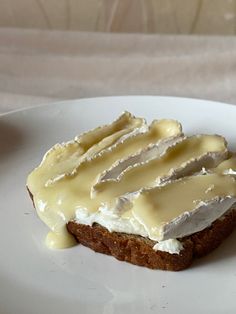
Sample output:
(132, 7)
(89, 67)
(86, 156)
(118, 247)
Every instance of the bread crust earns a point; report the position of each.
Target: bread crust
(139, 251)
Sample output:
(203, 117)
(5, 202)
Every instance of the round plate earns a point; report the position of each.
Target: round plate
(34, 279)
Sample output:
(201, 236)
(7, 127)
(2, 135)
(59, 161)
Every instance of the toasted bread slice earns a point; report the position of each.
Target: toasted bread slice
(139, 251)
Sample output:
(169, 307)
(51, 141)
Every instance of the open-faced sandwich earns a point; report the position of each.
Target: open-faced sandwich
(146, 194)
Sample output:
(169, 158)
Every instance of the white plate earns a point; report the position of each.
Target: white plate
(34, 279)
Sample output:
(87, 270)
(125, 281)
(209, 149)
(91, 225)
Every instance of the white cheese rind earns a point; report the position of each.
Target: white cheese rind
(115, 174)
(64, 158)
(101, 132)
(190, 167)
(198, 219)
(143, 156)
(94, 153)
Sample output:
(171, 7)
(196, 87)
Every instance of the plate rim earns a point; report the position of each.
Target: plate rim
(105, 98)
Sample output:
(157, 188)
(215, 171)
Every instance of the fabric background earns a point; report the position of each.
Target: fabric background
(41, 66)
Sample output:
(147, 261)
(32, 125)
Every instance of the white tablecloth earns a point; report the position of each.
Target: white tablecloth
(38, 66)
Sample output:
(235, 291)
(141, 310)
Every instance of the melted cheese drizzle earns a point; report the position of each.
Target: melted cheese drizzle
(62, 182)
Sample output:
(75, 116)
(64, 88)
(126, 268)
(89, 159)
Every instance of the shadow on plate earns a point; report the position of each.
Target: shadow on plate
(224, 252)
(10, 139)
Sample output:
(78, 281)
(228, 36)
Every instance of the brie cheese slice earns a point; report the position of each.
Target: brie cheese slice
(184, 206)
(174, 210)
(184, 157)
